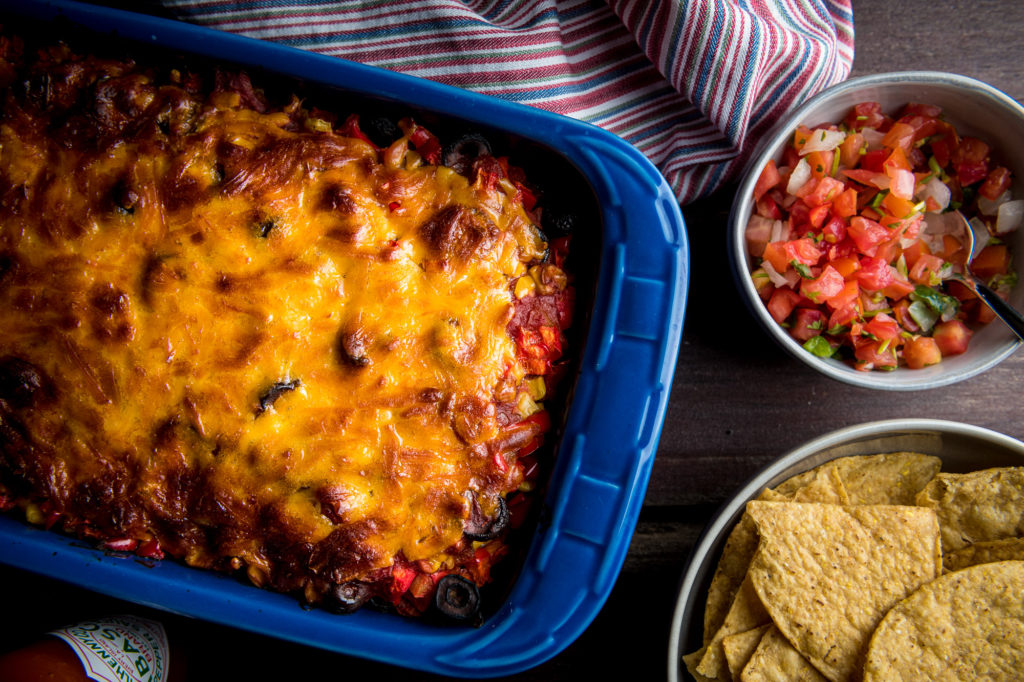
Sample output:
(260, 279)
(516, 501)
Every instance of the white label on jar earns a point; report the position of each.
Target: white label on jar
(119, 649)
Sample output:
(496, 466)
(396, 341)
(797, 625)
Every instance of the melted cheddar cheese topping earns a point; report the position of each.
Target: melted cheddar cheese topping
(264, 345)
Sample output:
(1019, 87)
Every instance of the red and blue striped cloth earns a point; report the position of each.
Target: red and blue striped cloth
(692, 84)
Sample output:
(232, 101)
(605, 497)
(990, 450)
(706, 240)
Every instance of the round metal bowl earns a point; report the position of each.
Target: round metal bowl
(976, 109)
(962, 447)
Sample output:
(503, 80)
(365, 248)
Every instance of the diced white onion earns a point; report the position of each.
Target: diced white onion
(823, 141)
(901, 184)
(1009, 216)
(799, 177)
(776, 233)
(938, 191)
(991, 206)
(872, 138)
(934, 226)
(773, 274)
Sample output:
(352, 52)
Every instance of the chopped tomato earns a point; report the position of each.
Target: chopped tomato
(874, 160)
(818, 215)
(867, 234)
(801, 137)
(847, 265)
(993, 260)
(896, 161)
(874, 355)
(952, 337)
(865, 115)
(782, 303)
(882, 327)
(915, 251)
(767, 207)
(899, 207)
(900, 136)
(897, 289)
(923, 126)
(921, 351)
(834, 231)
(826, 190)
(845, 316)
(768, 179)
(823, 287)
(867, 177)
(926, 269)
(809, 322)
(970, 161)
(942, 149)
(875, 274)
(850, 149)
(845, 205)
(997, 182)
(782, 254)
(849, 294)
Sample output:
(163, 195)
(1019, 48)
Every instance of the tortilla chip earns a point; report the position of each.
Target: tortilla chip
(776, 659)
(745, 613)
(984, 553)
(891, 478)
(691, 661)
(740, 647)
(977, 507)
(820, 486)
(966, 625)
(827, 574)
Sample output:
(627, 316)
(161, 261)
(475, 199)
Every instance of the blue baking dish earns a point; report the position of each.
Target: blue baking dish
(612, 422)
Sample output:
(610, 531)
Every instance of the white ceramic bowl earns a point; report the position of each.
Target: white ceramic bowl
(975, 109)
(962, 447)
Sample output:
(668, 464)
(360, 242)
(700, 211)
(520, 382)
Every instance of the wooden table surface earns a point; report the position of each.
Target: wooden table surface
(737, 402)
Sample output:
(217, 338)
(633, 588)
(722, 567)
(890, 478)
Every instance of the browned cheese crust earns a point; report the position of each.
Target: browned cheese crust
(236, 335)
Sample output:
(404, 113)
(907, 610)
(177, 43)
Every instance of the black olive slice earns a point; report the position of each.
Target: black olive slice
(347, 597)
(558, 223)
(381, 130)
(8, 266)
(460, 153)
(265, 227)
(481, 528)
(123, 198)
(21, 382)
(457, 597)
(268, 399)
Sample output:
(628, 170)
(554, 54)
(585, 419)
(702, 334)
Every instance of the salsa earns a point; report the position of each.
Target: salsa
(857, 254)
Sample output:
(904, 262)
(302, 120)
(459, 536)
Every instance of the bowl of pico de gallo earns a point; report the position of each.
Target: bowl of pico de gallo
(844, 237)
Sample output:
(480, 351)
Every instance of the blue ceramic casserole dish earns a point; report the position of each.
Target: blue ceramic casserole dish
(628, 324)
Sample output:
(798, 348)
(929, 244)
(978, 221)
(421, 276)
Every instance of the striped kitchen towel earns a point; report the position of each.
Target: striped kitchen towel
(692, 84)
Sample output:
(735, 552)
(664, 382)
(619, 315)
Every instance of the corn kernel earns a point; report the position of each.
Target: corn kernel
(536, 388)
(526, 405)
(34, 515)
(525, 286)
(318, 125)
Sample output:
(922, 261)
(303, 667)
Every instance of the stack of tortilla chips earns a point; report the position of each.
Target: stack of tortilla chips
(877, 568)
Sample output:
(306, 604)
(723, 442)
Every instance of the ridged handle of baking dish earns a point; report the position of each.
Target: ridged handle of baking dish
(615, 420)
